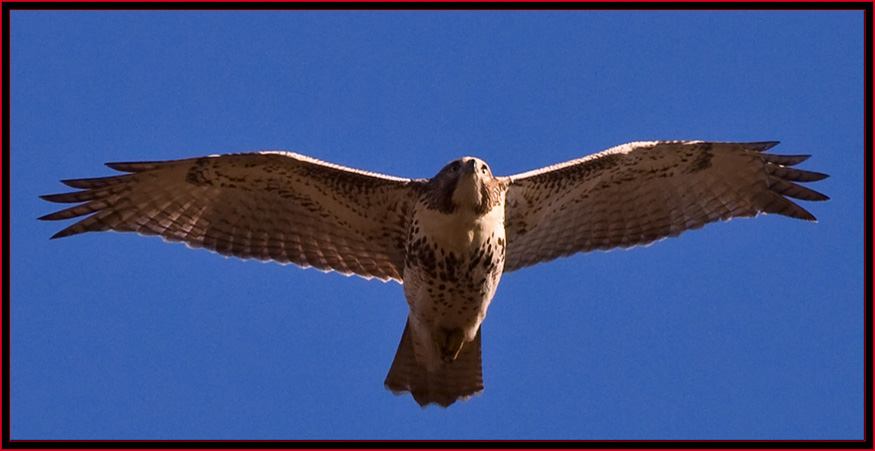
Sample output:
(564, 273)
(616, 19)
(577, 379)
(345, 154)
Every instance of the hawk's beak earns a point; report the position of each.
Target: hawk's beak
(470, 167)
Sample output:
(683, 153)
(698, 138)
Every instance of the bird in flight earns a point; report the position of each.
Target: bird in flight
(449, 239)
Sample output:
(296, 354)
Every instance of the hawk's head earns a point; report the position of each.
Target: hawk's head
(465, 183)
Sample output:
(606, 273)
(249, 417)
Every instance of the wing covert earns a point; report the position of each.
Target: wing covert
(640, 192)
(277, 206)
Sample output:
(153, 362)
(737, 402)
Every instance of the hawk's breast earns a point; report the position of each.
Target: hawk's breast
(453, 266)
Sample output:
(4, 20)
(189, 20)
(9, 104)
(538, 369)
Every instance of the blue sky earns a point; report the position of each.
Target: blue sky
(751, 329)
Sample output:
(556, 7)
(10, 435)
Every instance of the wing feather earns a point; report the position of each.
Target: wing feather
(276, 206)
(641, 192)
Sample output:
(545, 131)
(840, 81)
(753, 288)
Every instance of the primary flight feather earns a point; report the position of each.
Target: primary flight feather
(448, 239)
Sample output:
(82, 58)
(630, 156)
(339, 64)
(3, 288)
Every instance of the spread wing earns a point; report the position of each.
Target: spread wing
(276, 206)
(640, 192)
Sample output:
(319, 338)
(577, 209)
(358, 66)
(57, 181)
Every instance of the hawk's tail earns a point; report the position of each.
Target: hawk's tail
(461, 378)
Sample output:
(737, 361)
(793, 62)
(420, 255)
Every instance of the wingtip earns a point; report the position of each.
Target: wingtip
(807, 216)
(64, 198)
(138, 166)
(762, 146)
(118, 166)
(74, 183)
(63, 233)
(816, 176)
(56, 216)
(60, 234)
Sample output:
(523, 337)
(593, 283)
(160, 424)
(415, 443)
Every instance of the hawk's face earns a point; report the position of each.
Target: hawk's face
(466, 183)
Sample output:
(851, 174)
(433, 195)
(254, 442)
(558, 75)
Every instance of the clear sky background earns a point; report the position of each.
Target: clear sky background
(751, 329)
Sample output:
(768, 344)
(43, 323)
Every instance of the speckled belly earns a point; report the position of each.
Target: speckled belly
(451, 291)
(448, 296)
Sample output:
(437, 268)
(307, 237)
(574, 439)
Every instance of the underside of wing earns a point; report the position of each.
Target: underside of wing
(640, 192)
(276, 206)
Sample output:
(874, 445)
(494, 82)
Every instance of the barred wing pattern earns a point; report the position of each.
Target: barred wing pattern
(277, 206)
(640, 192)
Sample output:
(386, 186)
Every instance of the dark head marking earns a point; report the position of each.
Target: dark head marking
(475, 173)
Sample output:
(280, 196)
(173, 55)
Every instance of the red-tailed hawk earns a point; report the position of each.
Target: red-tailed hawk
(448, 239)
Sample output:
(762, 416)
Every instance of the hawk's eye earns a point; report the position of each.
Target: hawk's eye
(484, 169)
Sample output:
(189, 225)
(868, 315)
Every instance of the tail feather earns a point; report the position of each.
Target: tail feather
(459, 379)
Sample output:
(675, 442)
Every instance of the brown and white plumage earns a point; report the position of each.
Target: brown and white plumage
(640, 192)
(276, 206)
(448, 239)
